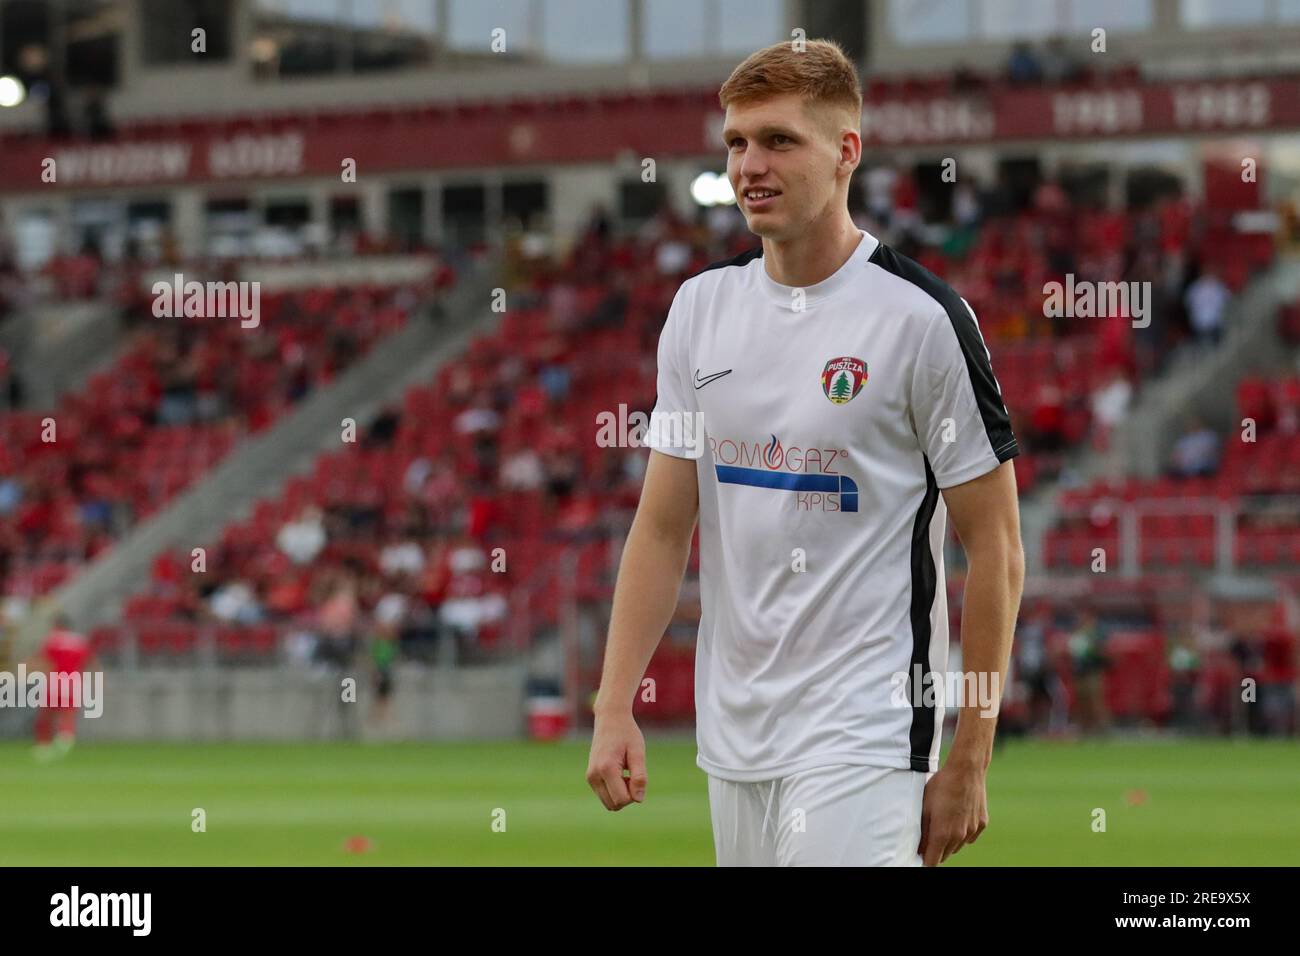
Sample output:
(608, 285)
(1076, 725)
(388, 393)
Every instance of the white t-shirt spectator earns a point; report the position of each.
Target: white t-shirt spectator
(476, 419)
(1196, 453)
(417, 472)
(523, 471)
(235, 603)
(672, 257)
(1110, 402)
(303, 539)
(405, 557)
(1205, 300)
(472, 610)
(880, 190)
(391, 608)
(466, 559)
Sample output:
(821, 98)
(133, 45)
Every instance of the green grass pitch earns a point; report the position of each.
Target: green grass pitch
(1195, 803)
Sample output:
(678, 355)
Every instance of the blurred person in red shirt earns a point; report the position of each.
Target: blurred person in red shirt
(65, 652)
(1047, 418)
(1278, 669)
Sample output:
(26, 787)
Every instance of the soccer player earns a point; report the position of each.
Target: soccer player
(65, 653)
(847, 404)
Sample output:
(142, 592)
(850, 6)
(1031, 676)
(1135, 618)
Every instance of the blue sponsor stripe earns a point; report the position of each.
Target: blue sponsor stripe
(789, 481)
(784, 480)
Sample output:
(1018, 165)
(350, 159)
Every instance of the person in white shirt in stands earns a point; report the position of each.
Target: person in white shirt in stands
(303, 538)
(823, 403)
(1206, 299)
(1196, 452)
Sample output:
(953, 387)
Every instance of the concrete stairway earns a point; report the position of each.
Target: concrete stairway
(56, 346)
(1195, 382)
(1204, 383)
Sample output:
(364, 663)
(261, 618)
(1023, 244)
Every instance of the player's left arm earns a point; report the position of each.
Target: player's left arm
(985, 513)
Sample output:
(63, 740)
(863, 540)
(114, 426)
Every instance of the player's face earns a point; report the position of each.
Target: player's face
(782, 159)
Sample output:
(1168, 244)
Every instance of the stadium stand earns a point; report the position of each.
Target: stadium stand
(475, 521)
(170, 408)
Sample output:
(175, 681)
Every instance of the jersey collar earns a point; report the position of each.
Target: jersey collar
(785, 295)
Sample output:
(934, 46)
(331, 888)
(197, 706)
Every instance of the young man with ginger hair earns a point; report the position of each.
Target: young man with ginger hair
(847, 404)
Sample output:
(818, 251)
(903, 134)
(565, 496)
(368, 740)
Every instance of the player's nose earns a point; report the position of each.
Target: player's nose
(752, 165)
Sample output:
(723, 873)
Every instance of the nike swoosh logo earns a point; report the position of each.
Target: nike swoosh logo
(701, 382)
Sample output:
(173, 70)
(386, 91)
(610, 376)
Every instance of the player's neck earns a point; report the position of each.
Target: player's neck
(813, 256)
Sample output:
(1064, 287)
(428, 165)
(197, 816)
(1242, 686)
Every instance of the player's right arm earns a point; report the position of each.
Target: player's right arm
(645, 596)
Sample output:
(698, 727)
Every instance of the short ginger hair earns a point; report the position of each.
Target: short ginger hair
(820, 73)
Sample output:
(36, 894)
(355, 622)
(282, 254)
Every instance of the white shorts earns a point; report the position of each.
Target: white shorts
(828, 816)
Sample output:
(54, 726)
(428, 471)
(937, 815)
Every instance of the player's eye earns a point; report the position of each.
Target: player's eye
(735, 142)
(780, 140)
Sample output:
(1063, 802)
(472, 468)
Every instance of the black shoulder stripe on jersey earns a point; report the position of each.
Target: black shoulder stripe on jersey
(744, 259)
(993, 412)
(924, 582)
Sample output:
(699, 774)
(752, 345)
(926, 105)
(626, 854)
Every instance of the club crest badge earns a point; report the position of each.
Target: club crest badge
(843, 378)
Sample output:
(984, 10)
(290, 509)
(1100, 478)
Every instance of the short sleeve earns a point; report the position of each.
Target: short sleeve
(957, 408)
(675, 426)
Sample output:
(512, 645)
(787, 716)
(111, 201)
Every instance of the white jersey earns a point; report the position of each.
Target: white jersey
(831, 417)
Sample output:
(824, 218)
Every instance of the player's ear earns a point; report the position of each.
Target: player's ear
(850, 148)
